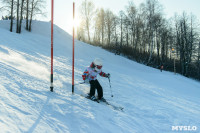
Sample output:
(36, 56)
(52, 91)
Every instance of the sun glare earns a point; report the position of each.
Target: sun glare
(76, 23)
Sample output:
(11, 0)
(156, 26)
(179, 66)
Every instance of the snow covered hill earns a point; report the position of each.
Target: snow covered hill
(153, 101)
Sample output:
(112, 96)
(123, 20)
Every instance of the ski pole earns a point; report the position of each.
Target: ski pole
(80, 83)
(110, 87)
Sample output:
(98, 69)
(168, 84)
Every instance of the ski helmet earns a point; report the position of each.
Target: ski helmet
(98, 64)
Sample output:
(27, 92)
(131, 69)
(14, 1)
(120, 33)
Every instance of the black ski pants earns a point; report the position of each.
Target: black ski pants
(94, 84)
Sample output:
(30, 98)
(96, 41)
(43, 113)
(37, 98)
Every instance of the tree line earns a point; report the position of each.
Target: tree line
(17, 9)
(145, 35)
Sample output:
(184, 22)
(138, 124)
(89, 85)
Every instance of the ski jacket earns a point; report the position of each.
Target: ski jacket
(91, 74)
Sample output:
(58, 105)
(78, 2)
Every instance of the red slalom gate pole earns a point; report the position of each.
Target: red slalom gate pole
(52, 9)
(73, 50)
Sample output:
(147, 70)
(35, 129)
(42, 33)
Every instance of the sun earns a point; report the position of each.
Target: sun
(76, 22)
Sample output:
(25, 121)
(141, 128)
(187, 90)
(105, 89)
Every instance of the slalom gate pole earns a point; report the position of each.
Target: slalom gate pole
(73, 51)
(52, 10)
(110, 87)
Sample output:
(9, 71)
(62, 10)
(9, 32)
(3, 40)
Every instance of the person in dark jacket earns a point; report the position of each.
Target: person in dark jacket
(161, 67)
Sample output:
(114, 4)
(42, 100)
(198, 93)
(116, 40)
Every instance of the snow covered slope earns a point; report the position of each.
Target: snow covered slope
(153, 101)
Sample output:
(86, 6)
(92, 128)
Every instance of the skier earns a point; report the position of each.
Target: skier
(161, 67)
(90, 75)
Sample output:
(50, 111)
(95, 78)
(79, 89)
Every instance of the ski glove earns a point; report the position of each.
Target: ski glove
(84, 77)
(86, 80)
(108, 75)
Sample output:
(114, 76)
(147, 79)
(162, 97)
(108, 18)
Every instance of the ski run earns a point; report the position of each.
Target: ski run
(153, 101)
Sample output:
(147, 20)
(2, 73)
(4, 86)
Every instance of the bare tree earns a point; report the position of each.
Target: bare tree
(17, 26)
(187, 39)
(11, 22)
(36, 9)
(27, 13)
(121, 27)
(100, 26)
(9, 7)
(87, 13)
(109, 21)
(31, 14)
(21, 16)
(153, 10)
(115, 25)
(97, 26)
(141, 26)
(131, 21)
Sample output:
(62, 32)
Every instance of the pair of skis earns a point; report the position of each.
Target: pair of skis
(115, 107)
(118, 108)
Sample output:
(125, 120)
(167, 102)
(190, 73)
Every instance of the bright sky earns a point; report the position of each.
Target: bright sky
(63, 9)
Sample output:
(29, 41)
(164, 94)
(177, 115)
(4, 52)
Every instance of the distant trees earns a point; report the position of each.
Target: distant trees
(187, 42)
(21, 8)
(99, 26)
(143, 34)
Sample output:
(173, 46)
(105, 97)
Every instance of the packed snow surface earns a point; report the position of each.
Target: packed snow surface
(153, 101)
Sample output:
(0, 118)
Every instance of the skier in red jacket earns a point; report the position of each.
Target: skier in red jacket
(90, 74)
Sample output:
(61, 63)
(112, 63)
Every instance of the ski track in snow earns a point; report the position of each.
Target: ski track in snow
(153, 101)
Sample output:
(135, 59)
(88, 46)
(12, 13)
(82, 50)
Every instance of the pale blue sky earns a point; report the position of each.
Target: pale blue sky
(63, 8)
